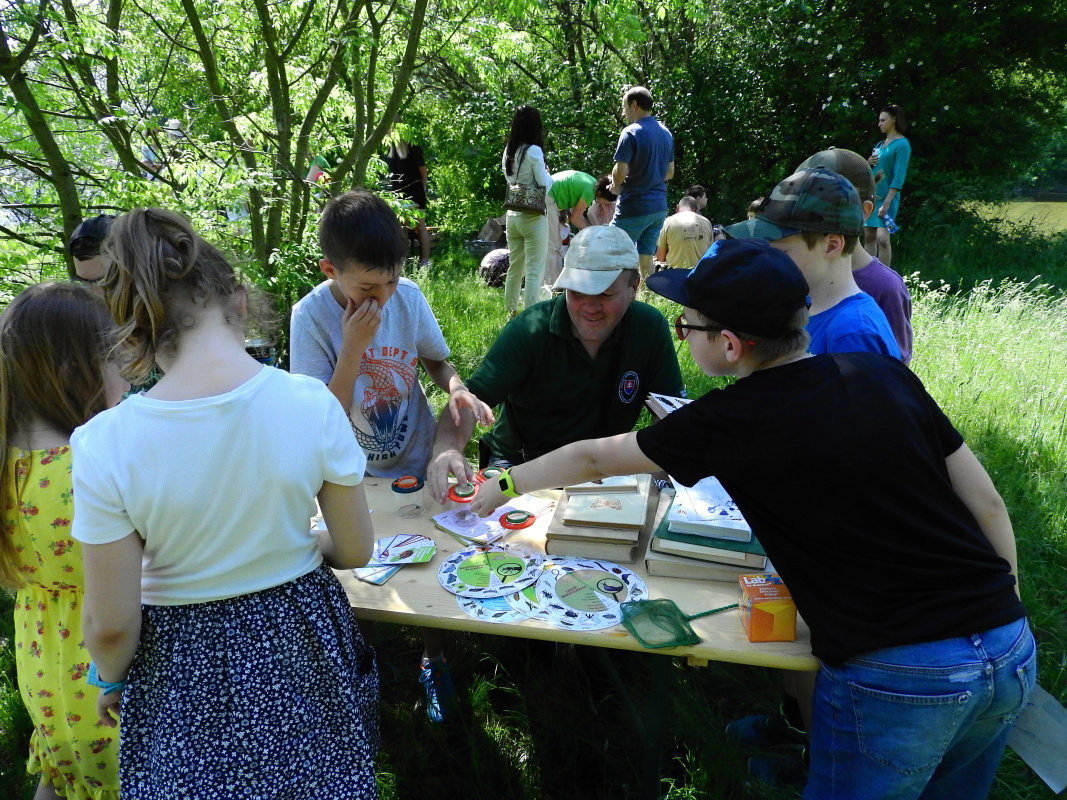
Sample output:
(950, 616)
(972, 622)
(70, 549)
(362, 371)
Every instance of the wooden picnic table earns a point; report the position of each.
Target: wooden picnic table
(414, 596)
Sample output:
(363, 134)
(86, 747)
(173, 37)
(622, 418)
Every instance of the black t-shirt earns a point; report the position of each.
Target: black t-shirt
(838, 464)
(405, 176)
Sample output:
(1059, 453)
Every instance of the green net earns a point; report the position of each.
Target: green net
(660, 623)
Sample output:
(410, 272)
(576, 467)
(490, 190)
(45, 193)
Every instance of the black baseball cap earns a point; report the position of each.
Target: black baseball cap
(87, 238)
(743, 284)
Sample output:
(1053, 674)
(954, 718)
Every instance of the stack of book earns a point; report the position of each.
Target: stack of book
(703, 535)
(603, 519)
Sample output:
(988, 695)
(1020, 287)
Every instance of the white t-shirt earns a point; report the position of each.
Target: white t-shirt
(221, 488)
(391, 416)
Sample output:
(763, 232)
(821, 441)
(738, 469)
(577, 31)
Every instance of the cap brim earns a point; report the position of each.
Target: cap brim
(586, 281)
(757, 228)
(670, 283)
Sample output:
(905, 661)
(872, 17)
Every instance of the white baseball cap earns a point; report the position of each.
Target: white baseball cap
(595, 258)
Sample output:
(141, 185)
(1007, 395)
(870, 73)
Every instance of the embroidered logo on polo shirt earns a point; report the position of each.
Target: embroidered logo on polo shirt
(628, 387)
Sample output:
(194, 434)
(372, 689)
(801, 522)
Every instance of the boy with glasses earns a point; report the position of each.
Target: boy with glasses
(906, 576)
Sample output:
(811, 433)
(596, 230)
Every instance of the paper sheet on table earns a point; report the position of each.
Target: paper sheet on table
(486, 530)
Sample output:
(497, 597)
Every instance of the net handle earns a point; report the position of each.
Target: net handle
(713, 611)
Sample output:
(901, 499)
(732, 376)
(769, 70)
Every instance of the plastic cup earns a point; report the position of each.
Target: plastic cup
(407, 494)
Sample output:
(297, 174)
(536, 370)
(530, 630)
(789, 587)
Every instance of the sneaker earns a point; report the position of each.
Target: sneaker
(437, 680)
(765, 731)
(779, 772)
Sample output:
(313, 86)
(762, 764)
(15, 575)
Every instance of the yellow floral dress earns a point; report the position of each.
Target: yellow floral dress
(75, 753)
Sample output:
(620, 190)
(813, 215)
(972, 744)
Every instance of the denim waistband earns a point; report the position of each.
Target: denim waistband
(993, 645)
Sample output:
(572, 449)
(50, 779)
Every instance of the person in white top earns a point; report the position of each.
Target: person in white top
(215, 624)
(524, 162)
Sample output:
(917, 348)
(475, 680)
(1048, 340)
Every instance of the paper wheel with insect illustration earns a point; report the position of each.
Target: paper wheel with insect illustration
(491, 609)
(586, 594)
(488, 572)
(525, 603)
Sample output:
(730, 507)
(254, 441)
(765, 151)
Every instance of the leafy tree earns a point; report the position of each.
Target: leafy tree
(251, 93)
(92, 93)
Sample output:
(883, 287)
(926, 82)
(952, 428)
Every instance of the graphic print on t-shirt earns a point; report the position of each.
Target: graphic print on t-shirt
(386, 379)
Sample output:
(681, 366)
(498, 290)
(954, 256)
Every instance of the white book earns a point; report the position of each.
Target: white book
(663, 404)
(706, 509)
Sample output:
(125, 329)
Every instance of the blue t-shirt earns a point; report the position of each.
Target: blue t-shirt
(647, 148)
(855, 325)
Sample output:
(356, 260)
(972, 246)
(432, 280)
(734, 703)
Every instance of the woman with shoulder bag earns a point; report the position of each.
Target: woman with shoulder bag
(530, 209)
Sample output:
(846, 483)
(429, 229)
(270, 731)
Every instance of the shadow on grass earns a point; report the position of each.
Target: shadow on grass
(972, 250)
(542, 721)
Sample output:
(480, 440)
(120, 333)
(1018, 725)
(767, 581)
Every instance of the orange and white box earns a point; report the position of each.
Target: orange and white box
(767, 609)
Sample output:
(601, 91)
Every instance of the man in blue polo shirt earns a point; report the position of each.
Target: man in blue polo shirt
(644, 162)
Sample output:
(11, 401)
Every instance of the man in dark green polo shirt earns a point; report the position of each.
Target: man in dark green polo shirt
(578, 366)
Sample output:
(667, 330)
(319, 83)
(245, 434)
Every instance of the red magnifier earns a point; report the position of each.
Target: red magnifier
(517, 520)
(462, 494)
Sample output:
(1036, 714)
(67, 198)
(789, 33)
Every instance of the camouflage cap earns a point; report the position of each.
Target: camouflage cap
(817, 200)
(847, 163)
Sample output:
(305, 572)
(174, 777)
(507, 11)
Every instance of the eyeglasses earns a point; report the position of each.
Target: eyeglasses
(682, 328)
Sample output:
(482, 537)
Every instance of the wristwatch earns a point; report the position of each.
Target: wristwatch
(506, 484)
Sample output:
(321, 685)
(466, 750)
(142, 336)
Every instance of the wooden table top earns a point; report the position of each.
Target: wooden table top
(413, 596)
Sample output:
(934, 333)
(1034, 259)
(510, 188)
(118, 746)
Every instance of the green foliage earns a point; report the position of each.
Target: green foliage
(993, 353)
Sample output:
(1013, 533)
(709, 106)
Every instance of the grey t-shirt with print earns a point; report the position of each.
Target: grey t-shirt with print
(391, 417)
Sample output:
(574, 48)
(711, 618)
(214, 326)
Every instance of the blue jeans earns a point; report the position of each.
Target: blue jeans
(922, 721)
(644, 230)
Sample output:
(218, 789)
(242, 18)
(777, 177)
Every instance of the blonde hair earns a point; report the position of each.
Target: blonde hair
(160, 267)
(53, 343)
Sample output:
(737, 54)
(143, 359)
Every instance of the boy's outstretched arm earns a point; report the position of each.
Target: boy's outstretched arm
(444, 376)
(582, 461)
(975, 488)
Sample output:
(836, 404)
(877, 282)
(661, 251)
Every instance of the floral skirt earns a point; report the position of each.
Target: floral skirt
(267, 695)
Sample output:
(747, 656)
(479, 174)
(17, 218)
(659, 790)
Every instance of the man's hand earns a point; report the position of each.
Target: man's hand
(489, 499)
(462, 398)
(445, 463)
(359, 324)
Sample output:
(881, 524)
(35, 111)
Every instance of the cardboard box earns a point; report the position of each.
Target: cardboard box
(767, 609)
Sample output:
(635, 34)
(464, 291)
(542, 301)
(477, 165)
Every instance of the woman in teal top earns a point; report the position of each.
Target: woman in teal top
(889, 161)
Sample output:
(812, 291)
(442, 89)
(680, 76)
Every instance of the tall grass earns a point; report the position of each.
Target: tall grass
(539, 721)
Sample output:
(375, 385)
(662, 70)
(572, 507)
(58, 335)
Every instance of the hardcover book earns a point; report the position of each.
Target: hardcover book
(706, 509)
(749, 555)
(621, 545)
(666, 565)
(607, 510)
(616, 483)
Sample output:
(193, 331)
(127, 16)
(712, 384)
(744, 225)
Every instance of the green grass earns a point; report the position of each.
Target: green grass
(964, 249)
(536, 721)
(1045, 218)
